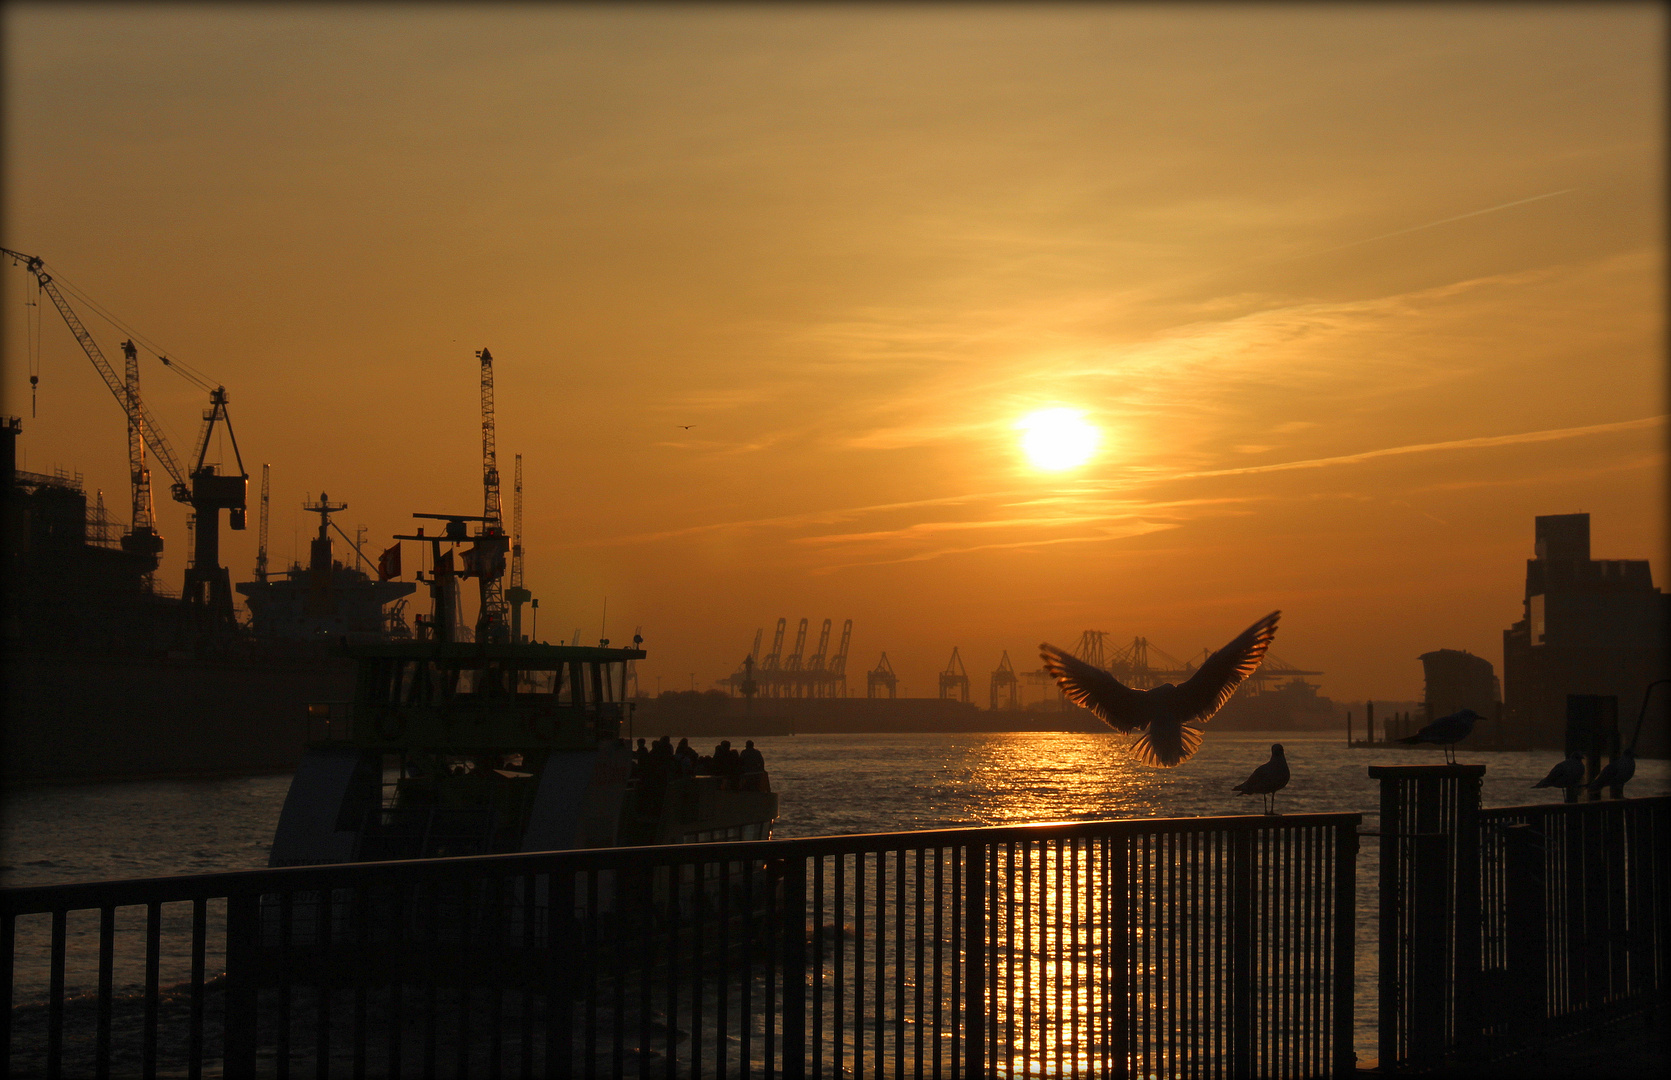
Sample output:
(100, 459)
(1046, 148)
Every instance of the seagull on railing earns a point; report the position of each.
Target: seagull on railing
(1447, 731)
(1167, 716)
(1617, 772)
(1267, 779)
(1569, 773)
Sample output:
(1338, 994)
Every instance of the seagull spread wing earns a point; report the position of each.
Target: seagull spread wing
(1204, 693)
(1113, 702)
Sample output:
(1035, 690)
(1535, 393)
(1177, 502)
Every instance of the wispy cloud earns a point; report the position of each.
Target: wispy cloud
(1423, 448)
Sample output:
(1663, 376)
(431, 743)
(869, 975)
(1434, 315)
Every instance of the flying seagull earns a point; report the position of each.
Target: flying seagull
(1447, 731)
(1167, 718)
(1267, 779)
(1569, 773)
(687, 427)
(1619, 770)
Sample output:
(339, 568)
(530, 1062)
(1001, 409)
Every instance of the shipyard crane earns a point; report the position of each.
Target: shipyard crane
(792, 662)
(207, 596)
(815, 673)
(488, 559)
(261, 535)
(516, 595)
(143, 542)
(955, 678)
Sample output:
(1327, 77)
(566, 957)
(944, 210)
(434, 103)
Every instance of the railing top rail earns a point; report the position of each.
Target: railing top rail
(37, 899)
(1598, 806)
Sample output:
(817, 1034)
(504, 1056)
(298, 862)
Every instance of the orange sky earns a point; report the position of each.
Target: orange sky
(1353, 292)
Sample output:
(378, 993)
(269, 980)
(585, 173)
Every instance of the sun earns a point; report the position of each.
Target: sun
(1058, 439)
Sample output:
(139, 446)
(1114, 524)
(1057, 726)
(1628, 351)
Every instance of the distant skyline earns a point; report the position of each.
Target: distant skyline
(1333, 299)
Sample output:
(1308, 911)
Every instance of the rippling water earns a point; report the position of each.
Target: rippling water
(826, 784)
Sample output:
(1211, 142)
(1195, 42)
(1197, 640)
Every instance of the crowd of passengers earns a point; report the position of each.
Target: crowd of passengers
(739, 770)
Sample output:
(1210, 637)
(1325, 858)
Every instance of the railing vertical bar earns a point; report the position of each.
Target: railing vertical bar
(239, 985)
(153, 961)
(794, 934)
(838, 1016)
(921, 975)
(362, 936)
(776, 958)
(745, 983)
(901, 961)
(939, 951)
(818, 914)
(858, 935)
(55, 996)
(499, 940)
(1059, 956)
(8, 961)
(670, 1010)
(644, 882)
(1117, 941)
(1075, 954)
(839, 1013)
(974, 931)
(699, 915)
(722, 1010)
(880, 981)
(431, 924)
(1029, 924)
(525, 1018)
(560, 973)
(322, 1010)
(194, 1039)
(107, 966)
(959, 944)
(397, 996)
(592, 913)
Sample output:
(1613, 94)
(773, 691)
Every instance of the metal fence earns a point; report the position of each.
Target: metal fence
(1577, 908)
(1191, 947)
(1503, 923)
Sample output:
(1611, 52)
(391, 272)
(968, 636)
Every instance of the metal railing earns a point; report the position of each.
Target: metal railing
(1577, 908)
(1201, 946)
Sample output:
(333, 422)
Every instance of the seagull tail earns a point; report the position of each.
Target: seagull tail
(1166, 747)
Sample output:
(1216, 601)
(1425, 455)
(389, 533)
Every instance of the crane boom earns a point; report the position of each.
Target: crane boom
(152, 431)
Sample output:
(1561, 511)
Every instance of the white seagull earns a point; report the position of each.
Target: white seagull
(1447, 731)
(1617, 772)
(1267, 779)
(1167, 716)
(1569, 773)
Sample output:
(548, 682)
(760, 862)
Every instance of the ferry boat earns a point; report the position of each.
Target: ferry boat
(469, 747)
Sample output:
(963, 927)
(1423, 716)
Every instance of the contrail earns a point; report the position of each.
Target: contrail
(1430, 225)
(1455, 444)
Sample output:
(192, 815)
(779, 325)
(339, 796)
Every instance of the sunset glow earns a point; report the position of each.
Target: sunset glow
(1058, 439)
(1318, 306)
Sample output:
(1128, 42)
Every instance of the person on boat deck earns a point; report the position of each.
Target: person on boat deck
(686, 753)
(751, 760)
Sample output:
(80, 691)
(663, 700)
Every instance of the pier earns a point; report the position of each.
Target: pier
(1219, 946)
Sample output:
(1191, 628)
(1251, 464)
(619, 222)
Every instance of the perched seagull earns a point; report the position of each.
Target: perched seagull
(1447, 731)
(1166, 717)
(1569, 773)
(1267, 779)
(1619, 770)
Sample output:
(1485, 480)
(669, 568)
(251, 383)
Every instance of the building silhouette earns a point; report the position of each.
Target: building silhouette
(1591, 626)
(1456, 680)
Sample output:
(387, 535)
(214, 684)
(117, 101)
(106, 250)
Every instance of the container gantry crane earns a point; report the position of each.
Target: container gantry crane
(207, 596)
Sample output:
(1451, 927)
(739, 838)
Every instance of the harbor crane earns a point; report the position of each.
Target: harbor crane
(881, 677)
(517, 595)
(955, 679)
(207, 596)
(261, 534)
(488, 557)
(1005, 684)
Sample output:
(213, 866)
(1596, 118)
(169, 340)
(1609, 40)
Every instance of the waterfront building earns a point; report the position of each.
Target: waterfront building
(1590, 626)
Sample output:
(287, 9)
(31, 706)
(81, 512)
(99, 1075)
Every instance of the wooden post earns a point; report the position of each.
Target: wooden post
(1592, 729)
